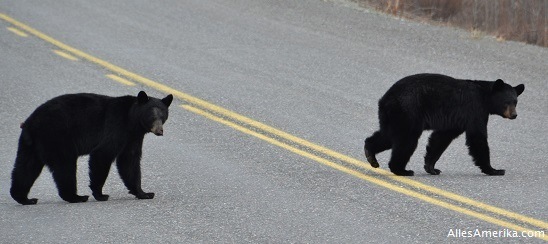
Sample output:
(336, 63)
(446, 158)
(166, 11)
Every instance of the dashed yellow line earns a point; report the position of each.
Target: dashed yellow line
(17, 31)
(197, 102)
(120, 80)
(65, 55)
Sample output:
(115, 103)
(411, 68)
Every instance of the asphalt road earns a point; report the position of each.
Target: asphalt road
(312, 69)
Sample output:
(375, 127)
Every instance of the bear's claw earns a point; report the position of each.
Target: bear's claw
(494, 172)
(403, 172)
(371, 158)
(76, 199)
(142, 195)
(31, 201)
(101, 197)
(148, 195)
(431, 170)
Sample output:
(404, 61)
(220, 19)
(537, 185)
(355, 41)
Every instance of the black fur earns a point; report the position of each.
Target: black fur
(69, 126)
(445, 105)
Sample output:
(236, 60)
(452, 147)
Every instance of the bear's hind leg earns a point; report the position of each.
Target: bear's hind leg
(64, 175)
(438, 142)
(375, 144)
(24, 174)
(380, 140)
(403, 147)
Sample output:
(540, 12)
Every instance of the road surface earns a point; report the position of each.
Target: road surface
(264, 143)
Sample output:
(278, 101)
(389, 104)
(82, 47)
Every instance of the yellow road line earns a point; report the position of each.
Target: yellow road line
(438, 191)
(209, 106)
(17, 32)
(360, 175)
(65, 55)
(120, 80)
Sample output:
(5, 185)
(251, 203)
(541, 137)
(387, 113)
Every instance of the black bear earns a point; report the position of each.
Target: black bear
(72, 125)
(446, 105)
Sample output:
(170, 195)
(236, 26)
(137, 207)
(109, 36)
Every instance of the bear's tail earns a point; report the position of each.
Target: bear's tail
(384, 120)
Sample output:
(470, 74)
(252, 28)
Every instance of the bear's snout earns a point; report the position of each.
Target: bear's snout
(157, 128)
(158, 132)
(510, 112)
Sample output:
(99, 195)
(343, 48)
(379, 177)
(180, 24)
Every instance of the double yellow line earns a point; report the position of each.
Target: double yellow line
(315, 152)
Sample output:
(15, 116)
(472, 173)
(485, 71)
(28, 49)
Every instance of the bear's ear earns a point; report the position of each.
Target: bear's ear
(167, 100)
(519, 89)
(142, 97)
(498, 86)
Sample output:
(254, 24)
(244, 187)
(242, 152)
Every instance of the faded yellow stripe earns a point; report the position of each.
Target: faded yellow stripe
(120, 80)
(65, 55)
(17, 32)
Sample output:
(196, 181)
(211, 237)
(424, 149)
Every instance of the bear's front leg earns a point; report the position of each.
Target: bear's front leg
(479, 150)
(130, 172)
(128, 163)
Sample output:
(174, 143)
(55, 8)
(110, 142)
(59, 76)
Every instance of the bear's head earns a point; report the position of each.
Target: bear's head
(504, 99)
(152, 112)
